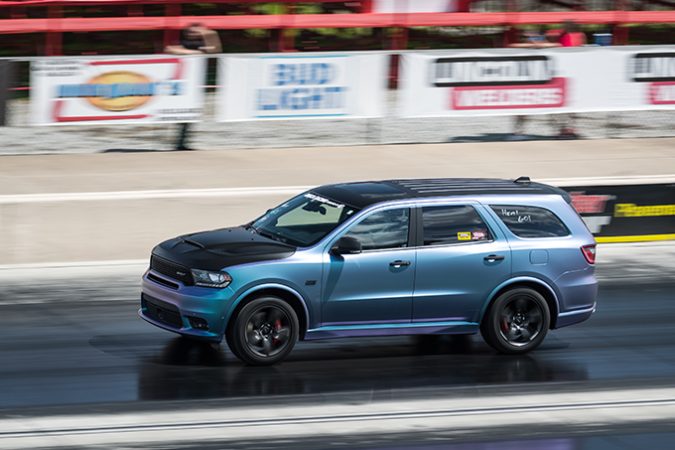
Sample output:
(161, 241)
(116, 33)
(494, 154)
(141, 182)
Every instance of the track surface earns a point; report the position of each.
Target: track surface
(75, 351)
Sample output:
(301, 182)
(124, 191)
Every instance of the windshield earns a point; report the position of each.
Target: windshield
(303, 220)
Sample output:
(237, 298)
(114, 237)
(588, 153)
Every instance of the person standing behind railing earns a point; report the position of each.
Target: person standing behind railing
(571, 36)
(532, 39)
(194, 40)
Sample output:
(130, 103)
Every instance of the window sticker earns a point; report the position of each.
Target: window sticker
(463, 235)
(478, 235)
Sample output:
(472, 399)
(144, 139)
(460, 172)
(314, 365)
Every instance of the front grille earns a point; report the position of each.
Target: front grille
(160, 311)
(171, 270)
(162, 281)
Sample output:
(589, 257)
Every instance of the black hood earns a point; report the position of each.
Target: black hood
(217, 249)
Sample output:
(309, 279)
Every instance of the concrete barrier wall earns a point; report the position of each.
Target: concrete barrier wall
(20, 138)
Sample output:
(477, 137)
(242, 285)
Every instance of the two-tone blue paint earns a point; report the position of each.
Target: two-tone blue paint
(445, 289)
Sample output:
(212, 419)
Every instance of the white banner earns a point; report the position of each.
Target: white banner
(123, 89)
(317, 85)
(512, 82)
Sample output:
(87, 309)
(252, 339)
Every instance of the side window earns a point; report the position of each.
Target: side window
(383, 229)
(531, 221)
(453, 224)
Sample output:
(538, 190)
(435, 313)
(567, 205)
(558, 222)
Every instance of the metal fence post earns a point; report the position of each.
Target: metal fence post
(6, 83)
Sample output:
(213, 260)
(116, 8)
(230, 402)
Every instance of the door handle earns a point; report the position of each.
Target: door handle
(493, 258)
(399, 263)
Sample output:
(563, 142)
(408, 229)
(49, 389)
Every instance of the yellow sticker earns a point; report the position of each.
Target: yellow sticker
(464, 236)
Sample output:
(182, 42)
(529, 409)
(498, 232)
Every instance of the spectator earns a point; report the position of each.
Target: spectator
(530, 39)
(572, 36)
(535, 39)
(194, 40)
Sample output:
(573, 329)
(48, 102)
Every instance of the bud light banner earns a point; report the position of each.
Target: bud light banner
(536, 81)
(115, 90)
(323, 85)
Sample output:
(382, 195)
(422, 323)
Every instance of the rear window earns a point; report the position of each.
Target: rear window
(531, 221)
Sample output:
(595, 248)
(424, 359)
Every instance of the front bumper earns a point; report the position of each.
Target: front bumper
(193, 311)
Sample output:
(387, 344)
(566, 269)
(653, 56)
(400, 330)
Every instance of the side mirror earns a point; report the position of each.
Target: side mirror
(346, 245)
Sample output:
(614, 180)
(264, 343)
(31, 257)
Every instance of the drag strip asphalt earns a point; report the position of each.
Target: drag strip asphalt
(89, 351)
(77, 359)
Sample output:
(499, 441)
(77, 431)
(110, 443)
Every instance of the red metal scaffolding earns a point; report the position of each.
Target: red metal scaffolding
(55, 24)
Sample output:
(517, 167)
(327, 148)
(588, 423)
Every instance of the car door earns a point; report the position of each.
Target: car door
(374, 286)
(460, 260)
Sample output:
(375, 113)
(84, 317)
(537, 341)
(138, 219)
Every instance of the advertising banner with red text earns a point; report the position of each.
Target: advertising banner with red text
(117, 89)
(536, 81)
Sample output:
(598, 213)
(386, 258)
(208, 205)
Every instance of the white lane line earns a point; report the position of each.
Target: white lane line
(610, 181)
(76, 264)
(277, 190)
(325, 420)
(151, 194)
(336, 418)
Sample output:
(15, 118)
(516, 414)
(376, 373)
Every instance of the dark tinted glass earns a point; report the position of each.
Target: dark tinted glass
(531, 221)
(452, 224)
(383, 229)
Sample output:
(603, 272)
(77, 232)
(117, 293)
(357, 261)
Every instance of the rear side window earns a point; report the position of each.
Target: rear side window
(531, 221)
(453, 224)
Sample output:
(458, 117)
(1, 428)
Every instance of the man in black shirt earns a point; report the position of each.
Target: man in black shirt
(194, 40)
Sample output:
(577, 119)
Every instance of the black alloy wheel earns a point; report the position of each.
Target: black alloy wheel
(264, 331)
(517, 321)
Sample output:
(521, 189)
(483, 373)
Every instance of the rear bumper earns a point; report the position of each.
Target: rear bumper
(572, 317)
(192, 311)
(578, 294)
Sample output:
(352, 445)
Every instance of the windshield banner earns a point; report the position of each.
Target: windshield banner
(536, 81)
(116, 90)
(317, 85)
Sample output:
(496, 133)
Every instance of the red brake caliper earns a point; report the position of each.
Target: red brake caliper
(505, 326)
(277, 327)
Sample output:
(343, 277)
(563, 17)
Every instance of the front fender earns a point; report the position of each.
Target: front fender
(239, 297)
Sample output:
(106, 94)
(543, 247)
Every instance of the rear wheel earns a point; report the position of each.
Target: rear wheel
(264, 331)
(517, 321)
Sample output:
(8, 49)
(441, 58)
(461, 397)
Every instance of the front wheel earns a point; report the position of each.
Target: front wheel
(517, 321)
(264, 331)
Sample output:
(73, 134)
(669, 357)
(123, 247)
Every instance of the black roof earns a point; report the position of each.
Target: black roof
(366, 193)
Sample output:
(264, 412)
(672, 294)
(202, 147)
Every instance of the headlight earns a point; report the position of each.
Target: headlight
(211, 279)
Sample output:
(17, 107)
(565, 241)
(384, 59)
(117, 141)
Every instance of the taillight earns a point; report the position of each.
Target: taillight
(589, 253)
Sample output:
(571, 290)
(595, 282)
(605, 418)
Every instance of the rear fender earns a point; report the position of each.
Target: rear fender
(515, 281)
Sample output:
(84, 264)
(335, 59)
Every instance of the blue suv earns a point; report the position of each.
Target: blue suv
(511, 259)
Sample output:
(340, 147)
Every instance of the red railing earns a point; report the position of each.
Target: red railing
(55, 23)
(368, 20)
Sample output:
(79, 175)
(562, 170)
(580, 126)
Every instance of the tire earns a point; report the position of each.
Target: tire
(517, 321)
(264, 331)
